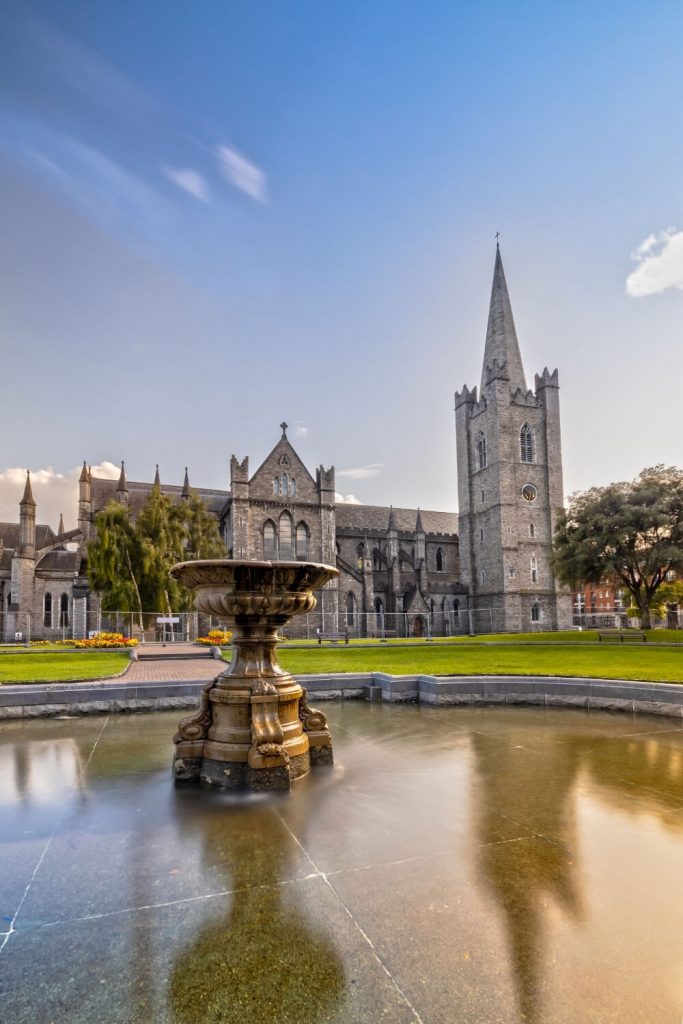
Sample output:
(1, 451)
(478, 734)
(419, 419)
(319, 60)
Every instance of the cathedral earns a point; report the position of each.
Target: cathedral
(405, 572)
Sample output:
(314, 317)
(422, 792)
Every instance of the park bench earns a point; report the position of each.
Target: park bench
(333, 637)
(628, 636)
(384, 634)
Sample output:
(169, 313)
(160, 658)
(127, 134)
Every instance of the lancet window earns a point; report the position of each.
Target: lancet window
(526, 443)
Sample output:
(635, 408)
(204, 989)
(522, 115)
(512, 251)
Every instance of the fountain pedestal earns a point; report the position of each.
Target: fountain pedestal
(253, 728)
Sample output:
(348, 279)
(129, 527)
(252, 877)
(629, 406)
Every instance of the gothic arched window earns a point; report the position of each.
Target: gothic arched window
(269, 539)
(284, 484)
(276, 485)
(350, 609)
(481, 449)
(535, 612)
(532, 530)
(456, 610)
(47, 611)
(379, 606)
(439, 560)
(302, 542)
(526, 443)
(286, 545)
(534, 569)
(292, 488)
(64, 610)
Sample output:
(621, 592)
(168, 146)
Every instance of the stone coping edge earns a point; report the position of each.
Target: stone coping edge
(38, 700)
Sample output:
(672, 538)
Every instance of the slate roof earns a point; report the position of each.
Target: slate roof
(67, 562)
(103, 491)
(10, 535)
(375, 519)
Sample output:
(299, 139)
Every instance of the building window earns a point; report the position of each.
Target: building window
(64, 610)
(579, 603)
(350, 609)
(379, 606)
(481, 450)
(456, 609)
(481, 536)
(511, 572)
(534, 569)
(482, 497)
(535, 612)
(526, 443)
(276, 485)
(439, 560)
(302, 542)
(286, 552)
(269, 540)
(47, 611)
(482, 576)
(532, 531)
(292, 488)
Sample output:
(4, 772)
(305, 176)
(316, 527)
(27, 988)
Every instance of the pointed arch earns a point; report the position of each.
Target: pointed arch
(284, 484)
(302, 541)
(47, 610)
(350, 609)
(286, 537)
(292, 488)
(439, 560)
(269, 540)
(526, 443)
(64, 610)
(276, 485)
(536, 613)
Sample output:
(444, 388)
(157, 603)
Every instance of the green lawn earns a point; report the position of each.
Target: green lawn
(614, 661)
(590, 636)
(61, 667)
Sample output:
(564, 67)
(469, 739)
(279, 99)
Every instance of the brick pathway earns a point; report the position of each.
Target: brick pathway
(172, 669)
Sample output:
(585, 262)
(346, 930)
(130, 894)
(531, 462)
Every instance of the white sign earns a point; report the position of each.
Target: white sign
(167, 620)
(18, 636)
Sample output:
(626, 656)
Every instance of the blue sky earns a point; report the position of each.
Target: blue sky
(218, 216)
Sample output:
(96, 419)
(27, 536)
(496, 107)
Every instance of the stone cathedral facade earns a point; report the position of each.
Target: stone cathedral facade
(411, 571)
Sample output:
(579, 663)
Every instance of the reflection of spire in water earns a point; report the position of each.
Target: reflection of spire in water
(264, 961)
(536, 794)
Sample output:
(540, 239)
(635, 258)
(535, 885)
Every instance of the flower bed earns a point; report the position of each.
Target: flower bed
(216, 638)
(102, 641)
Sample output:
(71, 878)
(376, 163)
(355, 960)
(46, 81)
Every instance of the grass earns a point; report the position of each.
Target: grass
(615, 661)
(62, 667)
(588, 636)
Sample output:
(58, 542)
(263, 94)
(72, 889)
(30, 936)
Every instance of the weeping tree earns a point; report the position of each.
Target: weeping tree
(116, 561)
(129, 562)
(628, 533)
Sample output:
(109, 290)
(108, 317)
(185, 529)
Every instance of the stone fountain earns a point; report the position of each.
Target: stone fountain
(253, 728)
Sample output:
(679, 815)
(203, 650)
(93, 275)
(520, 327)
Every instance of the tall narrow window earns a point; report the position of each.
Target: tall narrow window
(292, 488)
(350, 609)
(47, 611)
(534, 569)
(64, 610)
(526, 443)
(284, 484)
(286, 546)
(269, 540)
(439, 560)
(456, 609)
(535, 612)
(302, 542)
(276, 485)
(481, 450)
(379, 606)
(532, 531)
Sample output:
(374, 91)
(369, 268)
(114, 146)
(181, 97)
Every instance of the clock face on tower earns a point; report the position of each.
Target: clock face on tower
(529, 492)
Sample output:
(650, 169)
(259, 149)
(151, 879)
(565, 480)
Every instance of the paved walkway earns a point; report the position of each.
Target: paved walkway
(170, 668)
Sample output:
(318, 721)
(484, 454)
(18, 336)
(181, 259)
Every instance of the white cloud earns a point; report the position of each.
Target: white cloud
(55, 493)
(188, 180)
(300, 430)
(347, 499)
(242, 173)
(362, 472)
(660, 264)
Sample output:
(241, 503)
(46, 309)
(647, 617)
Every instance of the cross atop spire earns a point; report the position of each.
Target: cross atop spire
(283, 428)
(501, 336)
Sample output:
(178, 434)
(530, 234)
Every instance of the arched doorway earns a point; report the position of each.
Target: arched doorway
(418, 626)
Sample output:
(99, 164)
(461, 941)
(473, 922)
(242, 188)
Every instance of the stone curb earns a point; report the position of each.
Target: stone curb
(37, 700)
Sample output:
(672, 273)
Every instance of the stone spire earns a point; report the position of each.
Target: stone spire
(157, 478)
(85, 476)
(186, 485)
(28, 493)
(501, 336)
(392, 520)
(60, 528)
(419, 528)
(123, 483)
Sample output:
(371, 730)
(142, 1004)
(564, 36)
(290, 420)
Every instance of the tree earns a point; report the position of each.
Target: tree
(129, 562)
(626, 532)
(115, 561)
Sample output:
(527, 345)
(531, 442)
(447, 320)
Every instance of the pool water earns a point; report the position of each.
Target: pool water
(455, 865)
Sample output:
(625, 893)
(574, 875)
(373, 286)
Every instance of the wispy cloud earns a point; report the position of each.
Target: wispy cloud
(55, 493)
(362, 472)
(242, 173)
(300, 430)
(188, 180)
(347, 499)
(660, 264)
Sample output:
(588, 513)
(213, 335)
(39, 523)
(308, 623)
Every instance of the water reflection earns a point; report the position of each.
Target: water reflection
(264, 959)
(529, 778)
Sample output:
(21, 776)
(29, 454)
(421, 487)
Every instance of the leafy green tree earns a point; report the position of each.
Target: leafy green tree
(202, 536)
(115, 561)
(161, 534)
(626, 532)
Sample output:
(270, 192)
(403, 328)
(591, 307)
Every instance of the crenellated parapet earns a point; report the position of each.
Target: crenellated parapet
(525, 399)
(465, 397)
(496, 370)
(546, 379)
(325, 481)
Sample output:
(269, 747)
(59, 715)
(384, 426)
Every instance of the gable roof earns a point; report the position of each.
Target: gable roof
(375, 518)
(104, 491)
